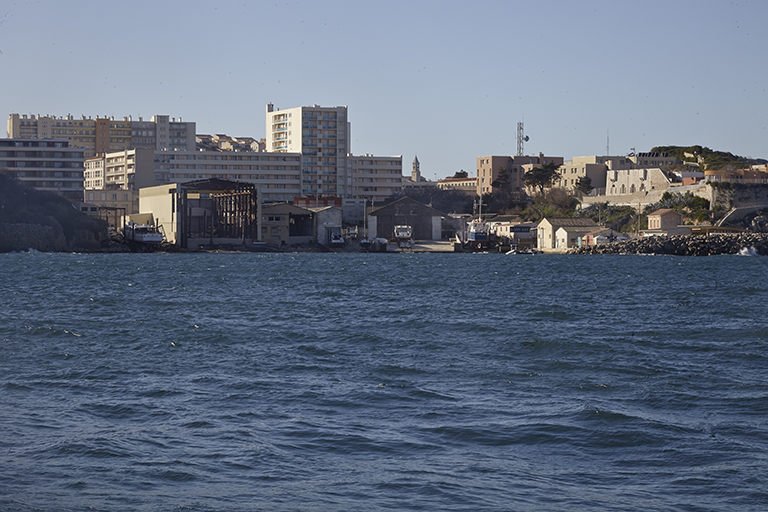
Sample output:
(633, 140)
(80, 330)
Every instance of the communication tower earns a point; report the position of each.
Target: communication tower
(521, 139)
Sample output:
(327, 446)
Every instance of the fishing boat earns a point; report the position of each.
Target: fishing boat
(478, 232)
(142, 234)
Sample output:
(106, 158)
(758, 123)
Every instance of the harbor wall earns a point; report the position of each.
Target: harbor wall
(22, 237)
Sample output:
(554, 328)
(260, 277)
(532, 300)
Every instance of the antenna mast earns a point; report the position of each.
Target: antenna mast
(607, 143)
(521, 138)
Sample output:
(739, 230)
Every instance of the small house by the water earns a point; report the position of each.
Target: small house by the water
(570, 229)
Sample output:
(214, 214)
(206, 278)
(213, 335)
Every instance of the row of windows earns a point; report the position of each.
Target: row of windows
(288, 168)
(159, 158)
(32, 144)
(44, 165)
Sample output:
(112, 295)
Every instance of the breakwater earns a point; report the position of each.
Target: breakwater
(684, 245)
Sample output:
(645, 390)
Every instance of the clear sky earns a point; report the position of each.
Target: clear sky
(445, 80)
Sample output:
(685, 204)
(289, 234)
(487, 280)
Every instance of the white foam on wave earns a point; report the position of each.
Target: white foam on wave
(747, 251)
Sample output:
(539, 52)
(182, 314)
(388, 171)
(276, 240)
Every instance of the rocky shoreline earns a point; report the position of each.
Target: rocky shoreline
(684, 245)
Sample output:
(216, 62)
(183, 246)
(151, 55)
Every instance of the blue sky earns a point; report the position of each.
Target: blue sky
(445, 80)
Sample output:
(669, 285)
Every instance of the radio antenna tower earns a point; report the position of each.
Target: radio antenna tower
(521, 138)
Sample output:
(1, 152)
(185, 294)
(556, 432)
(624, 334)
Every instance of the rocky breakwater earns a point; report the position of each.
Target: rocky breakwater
(684, 245)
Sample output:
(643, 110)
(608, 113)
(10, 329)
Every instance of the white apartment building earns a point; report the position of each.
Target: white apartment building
(123, 170)
(50, 165)
(106, 134)
(321, 135)
(277, 174)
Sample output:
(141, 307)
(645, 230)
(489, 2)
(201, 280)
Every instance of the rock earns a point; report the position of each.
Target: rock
(690, 245)
(759, 224)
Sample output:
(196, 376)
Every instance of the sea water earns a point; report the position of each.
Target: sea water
(298, 382)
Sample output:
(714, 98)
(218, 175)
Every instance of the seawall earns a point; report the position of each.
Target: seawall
(21, 237)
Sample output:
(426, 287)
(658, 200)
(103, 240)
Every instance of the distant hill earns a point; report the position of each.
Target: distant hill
(33, 219)
(712, 160)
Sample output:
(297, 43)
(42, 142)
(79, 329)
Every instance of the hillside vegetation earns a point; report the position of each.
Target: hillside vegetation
(711, 160)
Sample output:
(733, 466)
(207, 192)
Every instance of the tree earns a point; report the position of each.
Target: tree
(461, 174)
(584, 185)
(542, 177)
(502, 180)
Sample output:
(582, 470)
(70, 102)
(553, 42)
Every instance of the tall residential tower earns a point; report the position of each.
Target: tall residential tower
(322, 136)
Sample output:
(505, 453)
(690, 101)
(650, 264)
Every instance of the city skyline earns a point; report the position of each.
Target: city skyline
(447, 81)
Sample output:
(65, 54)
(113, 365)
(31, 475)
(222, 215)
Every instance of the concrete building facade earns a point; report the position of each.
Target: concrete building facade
(622, 182)
(489, 168)
(106, 134)
(49, 165)
(653, 160)
(276, 174)
(373, 178)
(466, 185)
(592, 167)
(321, 135)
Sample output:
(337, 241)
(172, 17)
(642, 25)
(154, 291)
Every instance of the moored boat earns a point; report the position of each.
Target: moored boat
(142, 234)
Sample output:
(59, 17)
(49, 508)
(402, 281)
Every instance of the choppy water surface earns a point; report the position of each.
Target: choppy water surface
(383, 382)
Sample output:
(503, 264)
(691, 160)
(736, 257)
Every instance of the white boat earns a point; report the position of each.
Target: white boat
(403, 232)
(404, 237)
(478, 232)
(142, 234)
